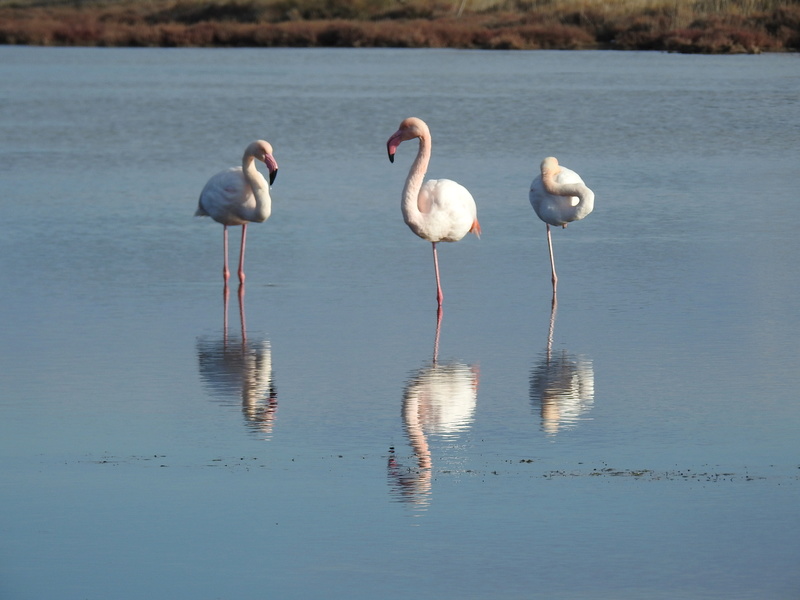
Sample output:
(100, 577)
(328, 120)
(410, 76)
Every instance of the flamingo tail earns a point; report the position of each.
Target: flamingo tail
(476, 228)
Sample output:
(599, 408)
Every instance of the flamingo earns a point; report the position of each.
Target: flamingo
(440, 210)
(238, 196)
(559, 196)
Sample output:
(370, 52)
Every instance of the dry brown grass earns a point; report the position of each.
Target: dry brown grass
(708, 26)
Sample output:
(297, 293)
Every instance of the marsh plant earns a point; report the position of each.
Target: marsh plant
(696, 26)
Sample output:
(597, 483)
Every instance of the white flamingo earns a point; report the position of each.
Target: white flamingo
(559, 196)
(238, 196)
(440, 210)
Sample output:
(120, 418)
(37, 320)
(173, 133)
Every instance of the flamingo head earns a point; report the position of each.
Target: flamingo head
(550, 169)
(262, 151)
(550, 166)
(410, 128)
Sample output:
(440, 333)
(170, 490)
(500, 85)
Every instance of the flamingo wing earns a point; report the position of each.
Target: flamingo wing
(557, 210)
(449, 209)
(225, 196)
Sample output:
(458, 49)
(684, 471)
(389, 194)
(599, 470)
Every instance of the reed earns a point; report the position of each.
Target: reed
(698, 26)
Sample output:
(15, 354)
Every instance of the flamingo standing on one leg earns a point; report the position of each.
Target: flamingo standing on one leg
(238, 196)
(440, 210)
(559, 196)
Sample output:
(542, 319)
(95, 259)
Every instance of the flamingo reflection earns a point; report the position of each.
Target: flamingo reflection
(561, 385)
(239, 371)
(437, 400)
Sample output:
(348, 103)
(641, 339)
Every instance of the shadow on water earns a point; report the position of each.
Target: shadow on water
(561, 385)
(438, 400)
(238, 371)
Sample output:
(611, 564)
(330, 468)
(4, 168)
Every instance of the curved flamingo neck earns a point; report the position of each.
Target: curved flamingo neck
(416, 175)
(263, 207)
(551, 186)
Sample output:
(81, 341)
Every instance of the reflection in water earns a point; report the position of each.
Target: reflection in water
(437, 400)
(561, 385)
(240, 372)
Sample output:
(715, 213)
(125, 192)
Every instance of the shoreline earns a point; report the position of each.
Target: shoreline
(250, 25)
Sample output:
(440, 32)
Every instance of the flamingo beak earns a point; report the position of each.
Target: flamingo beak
(392, 144)
(272, 167)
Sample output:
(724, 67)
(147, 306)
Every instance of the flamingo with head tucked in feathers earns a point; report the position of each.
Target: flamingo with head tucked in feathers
(559, 196)
(439, 210)
(238, 196)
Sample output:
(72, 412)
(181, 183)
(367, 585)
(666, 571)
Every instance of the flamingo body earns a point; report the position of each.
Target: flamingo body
(240, 195)
(449, 209)
(555, 208)
(229, 199)
(438, 210)
(559, 196)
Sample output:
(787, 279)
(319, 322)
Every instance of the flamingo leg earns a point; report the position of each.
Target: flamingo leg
(225, 272)
(241, 254)
(552, 260)
(439, 294)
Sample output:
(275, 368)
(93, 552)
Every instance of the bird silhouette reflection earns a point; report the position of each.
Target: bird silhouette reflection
(561, 385)
(238, 371)
(438, 400)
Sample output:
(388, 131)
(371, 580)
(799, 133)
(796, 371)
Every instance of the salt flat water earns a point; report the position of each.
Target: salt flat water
(322, 435)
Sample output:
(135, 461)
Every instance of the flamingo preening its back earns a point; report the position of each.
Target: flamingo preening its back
(439, 210)
(238, 196)
(559, 196)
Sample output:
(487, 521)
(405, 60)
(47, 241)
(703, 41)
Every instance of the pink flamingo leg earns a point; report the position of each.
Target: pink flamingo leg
(552, 260)
(225, 272)
(439, 294)
(241, 254)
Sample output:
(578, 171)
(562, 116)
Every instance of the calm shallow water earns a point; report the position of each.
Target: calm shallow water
(641, 442)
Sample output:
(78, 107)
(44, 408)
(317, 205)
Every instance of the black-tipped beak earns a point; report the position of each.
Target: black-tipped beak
(391, 155)
(272, 176)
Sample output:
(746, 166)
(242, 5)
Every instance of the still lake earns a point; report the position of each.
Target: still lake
(639, 442)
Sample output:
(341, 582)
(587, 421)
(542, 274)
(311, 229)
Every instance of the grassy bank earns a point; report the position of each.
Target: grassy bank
(696, 26)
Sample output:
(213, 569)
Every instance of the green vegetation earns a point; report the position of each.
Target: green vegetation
(695, 26)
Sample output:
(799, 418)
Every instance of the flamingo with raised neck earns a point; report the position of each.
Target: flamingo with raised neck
(438, 210)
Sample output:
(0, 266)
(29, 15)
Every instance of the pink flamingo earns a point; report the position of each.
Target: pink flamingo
(238, 196)
(559, 196)
(440, 210)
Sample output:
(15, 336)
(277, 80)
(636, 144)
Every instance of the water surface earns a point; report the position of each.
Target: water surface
(324, 434)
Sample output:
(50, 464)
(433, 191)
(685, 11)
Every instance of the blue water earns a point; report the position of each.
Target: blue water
(638, 442)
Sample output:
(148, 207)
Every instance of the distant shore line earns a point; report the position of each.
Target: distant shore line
(234, 24)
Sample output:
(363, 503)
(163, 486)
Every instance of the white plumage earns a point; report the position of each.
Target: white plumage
(559, 196)
(440, 210)
(238, 196)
